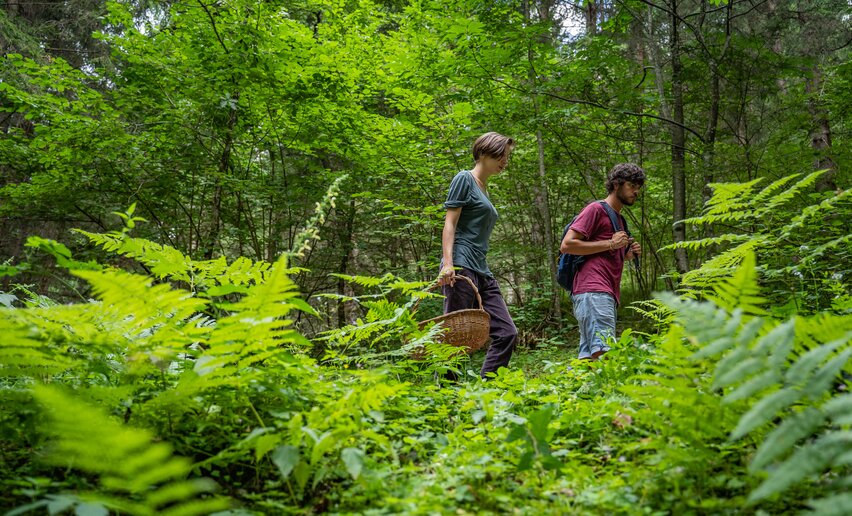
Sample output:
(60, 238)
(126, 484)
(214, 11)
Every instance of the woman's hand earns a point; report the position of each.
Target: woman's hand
(447, 276)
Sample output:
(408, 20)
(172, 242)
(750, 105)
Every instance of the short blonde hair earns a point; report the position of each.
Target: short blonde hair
(493, 145)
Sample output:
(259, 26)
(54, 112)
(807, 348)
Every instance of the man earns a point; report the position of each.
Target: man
(597, 285)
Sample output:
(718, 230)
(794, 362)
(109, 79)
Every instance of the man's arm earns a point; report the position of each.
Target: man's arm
(576, 243)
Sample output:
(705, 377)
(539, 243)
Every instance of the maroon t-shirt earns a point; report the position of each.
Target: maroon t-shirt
(601, 272)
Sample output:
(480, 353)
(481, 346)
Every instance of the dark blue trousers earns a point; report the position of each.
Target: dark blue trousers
(503, 331)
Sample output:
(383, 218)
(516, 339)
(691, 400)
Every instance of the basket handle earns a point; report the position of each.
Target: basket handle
(458, 277)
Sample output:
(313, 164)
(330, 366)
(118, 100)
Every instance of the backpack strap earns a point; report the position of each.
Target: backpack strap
(613, 218)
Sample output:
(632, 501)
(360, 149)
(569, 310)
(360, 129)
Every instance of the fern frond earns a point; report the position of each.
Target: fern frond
(779, 199)
(721, 266)
(694, 245)
(741, 291)
(142, 477)
(257, 329)
(132, 297)
(773, 189)
(730, 197)
(23, 354)
(168, 262)
(788, 370)
(834, 205)
(832, 248)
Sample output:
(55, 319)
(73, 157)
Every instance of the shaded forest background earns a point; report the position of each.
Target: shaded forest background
(226, 122)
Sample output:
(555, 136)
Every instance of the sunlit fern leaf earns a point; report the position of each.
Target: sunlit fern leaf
(257, 328)
(365, 281)
(163, 261)
(777, 199)
(133, 302)
(167, 262)
(136, 475)
(732, 276)
(836, 205)
(728, 217)
(730, 197)
(23, 353)
(694, 245)
(773, 189)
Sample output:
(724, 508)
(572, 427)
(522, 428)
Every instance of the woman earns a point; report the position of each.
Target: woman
(467, 228)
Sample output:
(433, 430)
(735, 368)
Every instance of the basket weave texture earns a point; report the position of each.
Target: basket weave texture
(466, 329)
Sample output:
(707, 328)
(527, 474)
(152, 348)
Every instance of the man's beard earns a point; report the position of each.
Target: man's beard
(624, 200)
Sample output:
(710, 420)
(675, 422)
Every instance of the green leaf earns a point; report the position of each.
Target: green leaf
(286, 458)
(764, 411)
(837, 505)
(224, 290)
(808, 460)
(90, 509)
(354, 460)
(787, 434)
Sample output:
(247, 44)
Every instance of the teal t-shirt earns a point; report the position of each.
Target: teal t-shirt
(476, 222)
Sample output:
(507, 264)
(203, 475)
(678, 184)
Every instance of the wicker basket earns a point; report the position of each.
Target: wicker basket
(466, 329)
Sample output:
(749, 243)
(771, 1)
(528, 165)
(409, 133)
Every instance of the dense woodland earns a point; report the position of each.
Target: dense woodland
(217, 220)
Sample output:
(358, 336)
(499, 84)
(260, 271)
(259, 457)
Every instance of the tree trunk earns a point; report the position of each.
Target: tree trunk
(591, 15)
(820, 131)
(344, 262)
(678, 136)
(543, 203)
(212, 237)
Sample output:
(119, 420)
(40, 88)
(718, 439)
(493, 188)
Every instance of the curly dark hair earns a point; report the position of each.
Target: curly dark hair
(624, 173)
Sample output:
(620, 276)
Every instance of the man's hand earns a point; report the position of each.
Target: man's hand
(619, 240)
(633, 251)
(447, 276)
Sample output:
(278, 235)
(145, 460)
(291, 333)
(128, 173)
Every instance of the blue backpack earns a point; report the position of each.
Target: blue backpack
(569, 264)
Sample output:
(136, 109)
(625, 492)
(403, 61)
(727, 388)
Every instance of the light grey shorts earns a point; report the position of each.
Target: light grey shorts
(595, 313)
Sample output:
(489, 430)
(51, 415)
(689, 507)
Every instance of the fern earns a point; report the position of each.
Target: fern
(256, 331)
(805, 249)
(768, 202)
(23, 354)
(165, 262)
(742, 290)
(786, 371)
(721, 266)
(136, 476)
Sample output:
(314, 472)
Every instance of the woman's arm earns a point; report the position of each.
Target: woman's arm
(448, 239)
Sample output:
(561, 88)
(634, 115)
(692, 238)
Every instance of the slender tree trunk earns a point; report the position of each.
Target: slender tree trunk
(212, 238)
(708, 155)
(678, 136)
(820, 131)
(345, 256)
(590, 12)
(542, 200)
(543, 203)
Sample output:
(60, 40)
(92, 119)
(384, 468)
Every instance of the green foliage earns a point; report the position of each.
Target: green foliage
(788, 372)
(135, 475)
(368, 428)
(390, 333)
(799, 239)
